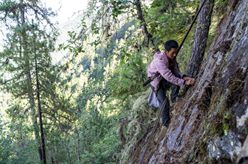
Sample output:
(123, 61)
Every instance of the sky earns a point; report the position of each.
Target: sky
(66, 8)
(65, 11)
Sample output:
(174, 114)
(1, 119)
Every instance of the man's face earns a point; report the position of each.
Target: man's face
(172, 53)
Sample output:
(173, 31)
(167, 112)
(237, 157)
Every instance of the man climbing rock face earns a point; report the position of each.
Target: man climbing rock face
(165, 64)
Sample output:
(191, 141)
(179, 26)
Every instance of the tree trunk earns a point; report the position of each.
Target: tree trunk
(29, 81)
(144, 24)
(78, 147)
(43, 147)
(201, 37)
(68, 153)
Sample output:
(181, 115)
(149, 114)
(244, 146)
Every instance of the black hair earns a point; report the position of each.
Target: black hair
(170, 44)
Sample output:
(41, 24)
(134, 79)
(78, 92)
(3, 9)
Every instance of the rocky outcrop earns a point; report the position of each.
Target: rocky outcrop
(211, 111)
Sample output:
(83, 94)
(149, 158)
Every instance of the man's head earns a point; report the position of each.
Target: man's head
(171, 48)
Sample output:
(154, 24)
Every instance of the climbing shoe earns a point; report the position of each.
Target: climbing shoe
(164, 122)
(165, 112)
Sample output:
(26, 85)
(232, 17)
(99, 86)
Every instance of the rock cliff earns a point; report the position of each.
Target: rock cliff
(210, 123)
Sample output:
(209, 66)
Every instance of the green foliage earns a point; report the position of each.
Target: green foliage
(169, 19)
(7, 5)
(119, 7)
(15, 139)
(103, 150)
(220, 7)
(128, 77)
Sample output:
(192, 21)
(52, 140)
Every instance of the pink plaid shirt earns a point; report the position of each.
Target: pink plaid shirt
(160, 64)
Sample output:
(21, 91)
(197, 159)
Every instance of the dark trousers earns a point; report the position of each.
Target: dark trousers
(164, 86)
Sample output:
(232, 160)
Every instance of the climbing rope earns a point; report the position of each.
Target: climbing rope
(185, 36)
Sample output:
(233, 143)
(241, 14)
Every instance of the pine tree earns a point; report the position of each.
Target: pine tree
(26, 61)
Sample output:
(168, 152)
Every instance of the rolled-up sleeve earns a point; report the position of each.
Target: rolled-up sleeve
(163, 68)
